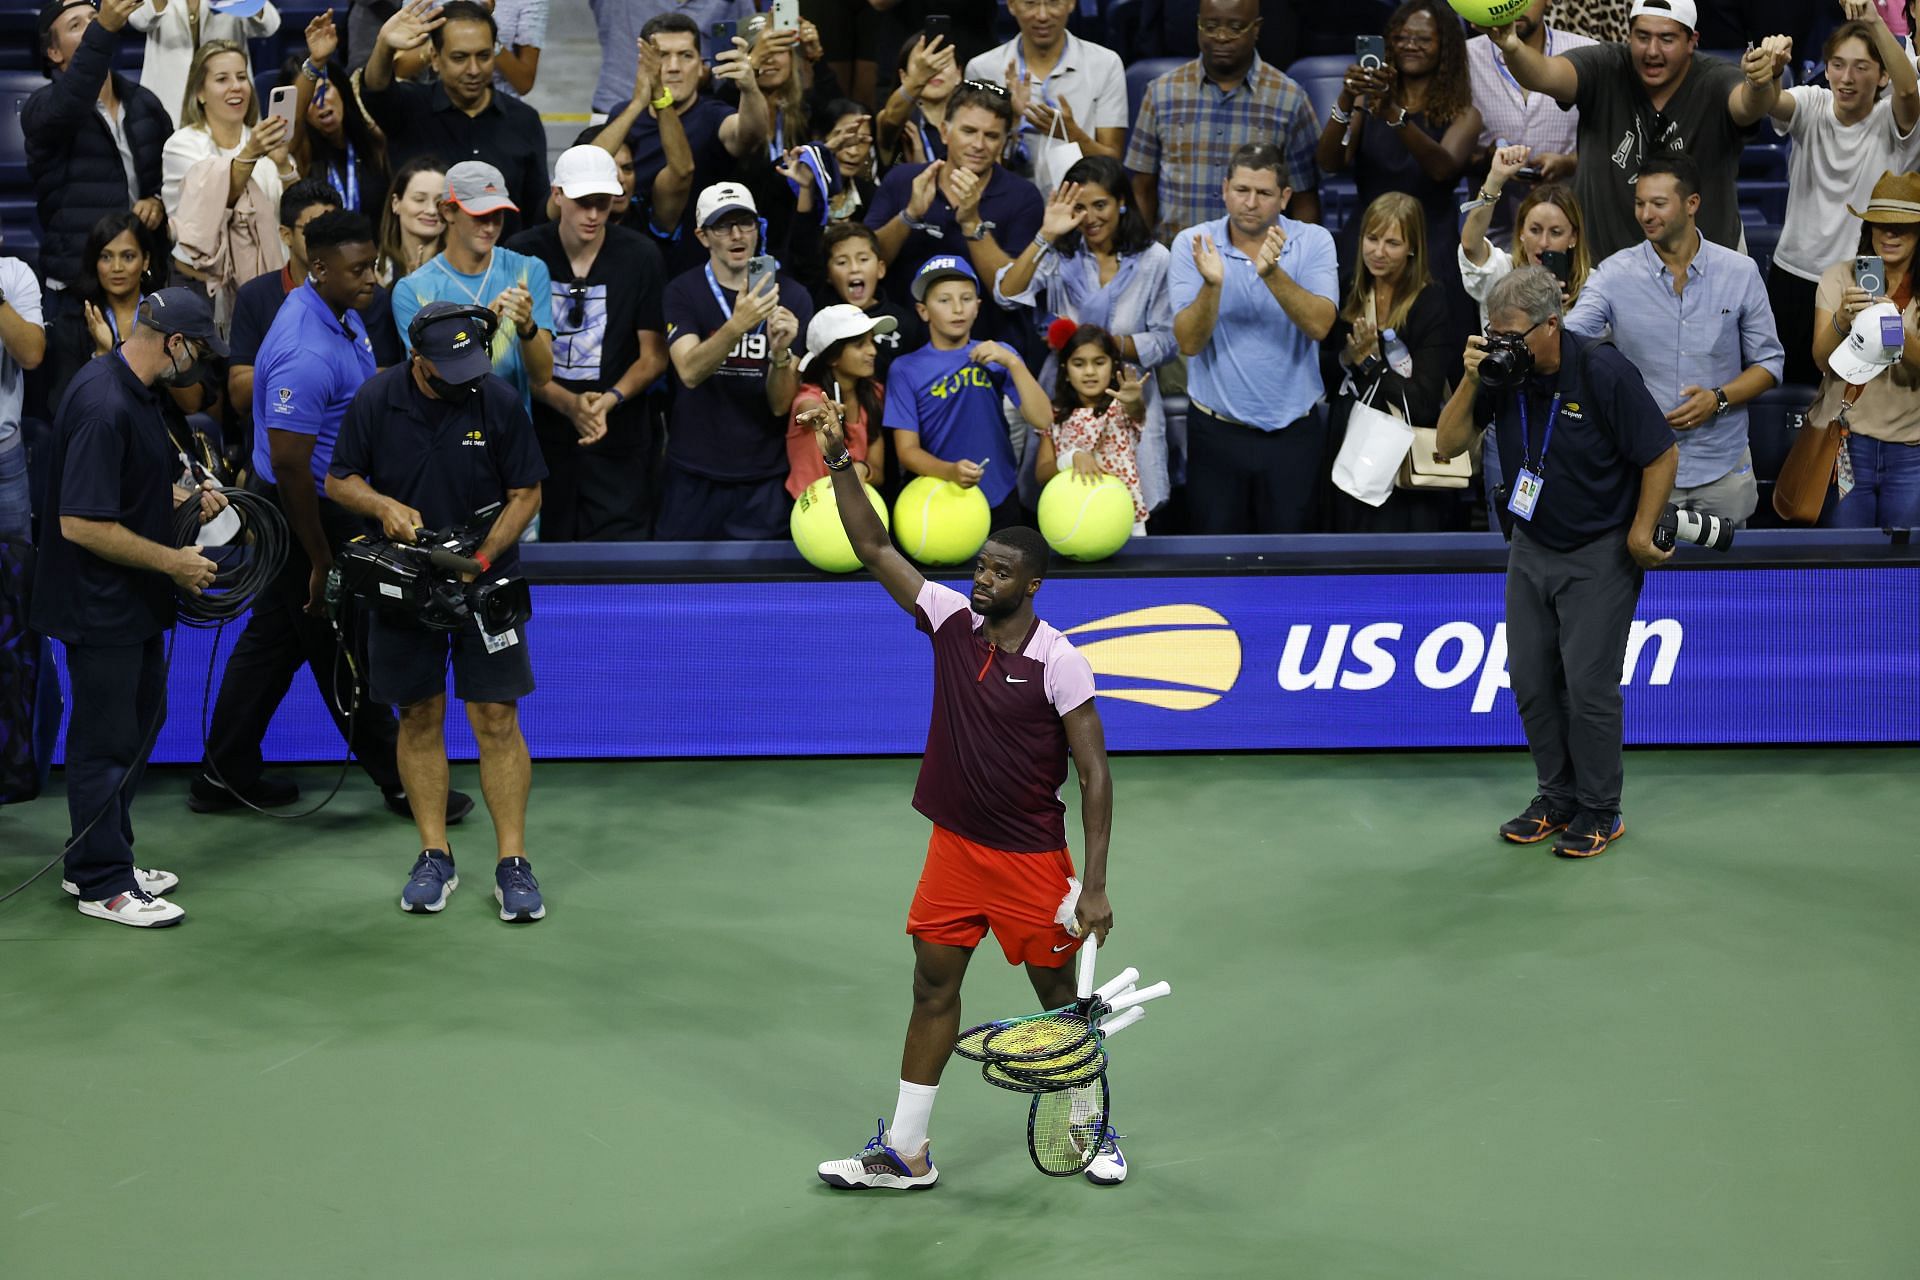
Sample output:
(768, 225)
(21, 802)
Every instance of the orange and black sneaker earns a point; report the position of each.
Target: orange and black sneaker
(1541, 819)
(1590, 833)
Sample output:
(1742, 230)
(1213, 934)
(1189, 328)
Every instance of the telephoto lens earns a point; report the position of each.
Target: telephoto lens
(1698, 527)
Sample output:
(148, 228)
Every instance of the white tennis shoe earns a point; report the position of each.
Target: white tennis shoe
(136, 908)
(880, 1166)
(154, 884)
(1109, 1167)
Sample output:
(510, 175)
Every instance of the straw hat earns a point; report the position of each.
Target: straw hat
(1896, 198)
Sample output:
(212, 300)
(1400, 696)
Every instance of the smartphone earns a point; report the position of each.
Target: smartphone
(1870, 273)
(1558, 261)
(1370, 52)
(281, 102)
(939, 27)
(786, 15)
(759, 268)
(1528, 173)
(725, 30)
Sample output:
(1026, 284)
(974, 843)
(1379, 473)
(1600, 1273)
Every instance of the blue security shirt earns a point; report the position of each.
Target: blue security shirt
(1720, 325)
(439, 282)
(1259, 368)
(305, 376)
(953, 404)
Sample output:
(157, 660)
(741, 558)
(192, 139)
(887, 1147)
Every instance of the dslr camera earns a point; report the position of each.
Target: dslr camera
(421, 581)
(1698, 527)
(1508, 362)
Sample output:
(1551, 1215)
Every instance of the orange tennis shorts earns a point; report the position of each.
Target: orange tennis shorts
(967, 889)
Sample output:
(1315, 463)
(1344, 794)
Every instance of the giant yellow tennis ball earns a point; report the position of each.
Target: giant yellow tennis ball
(1490, 13)
(939, 522)
(1086, 521)
(817, 530)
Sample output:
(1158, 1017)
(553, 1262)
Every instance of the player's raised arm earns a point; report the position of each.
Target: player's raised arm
(864, 530)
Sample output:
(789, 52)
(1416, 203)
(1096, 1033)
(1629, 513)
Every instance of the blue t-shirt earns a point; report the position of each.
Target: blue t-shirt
(305, 376)
(953, 405)
(439, 282)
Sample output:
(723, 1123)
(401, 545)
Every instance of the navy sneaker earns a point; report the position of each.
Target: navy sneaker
(1538, 821)
(1589, 834)
(432, 881)
(517, 892)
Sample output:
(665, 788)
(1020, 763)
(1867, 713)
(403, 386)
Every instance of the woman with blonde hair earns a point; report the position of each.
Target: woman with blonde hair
(222, 173)
(1394, 346)
(1548, 223)
(175, 31)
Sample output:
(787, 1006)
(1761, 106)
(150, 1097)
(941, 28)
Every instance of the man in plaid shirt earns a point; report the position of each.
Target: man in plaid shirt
(1196, 116)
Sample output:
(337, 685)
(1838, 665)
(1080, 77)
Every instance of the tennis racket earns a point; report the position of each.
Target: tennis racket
(1066, 1126)
(972, 1042)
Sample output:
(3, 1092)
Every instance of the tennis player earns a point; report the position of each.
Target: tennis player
(1011, 699)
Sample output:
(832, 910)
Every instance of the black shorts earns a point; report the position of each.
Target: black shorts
(408, 664)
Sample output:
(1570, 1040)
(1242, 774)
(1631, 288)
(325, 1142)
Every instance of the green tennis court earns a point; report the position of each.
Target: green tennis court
(1396, 1048)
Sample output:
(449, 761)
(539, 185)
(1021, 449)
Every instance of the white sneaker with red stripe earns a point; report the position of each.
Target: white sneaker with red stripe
(135, 907)
(154, 884)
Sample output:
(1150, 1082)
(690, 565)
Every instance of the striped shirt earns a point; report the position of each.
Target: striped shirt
(1189, 127)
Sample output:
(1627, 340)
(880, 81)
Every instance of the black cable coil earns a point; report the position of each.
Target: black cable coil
(245, 566)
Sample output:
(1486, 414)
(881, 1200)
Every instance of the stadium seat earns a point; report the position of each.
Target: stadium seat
(15, 88)
(1772, 418)
(1321, 77)
(1143, 73)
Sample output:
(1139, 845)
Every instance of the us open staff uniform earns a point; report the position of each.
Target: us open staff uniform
(1595, 458)
(104, 589)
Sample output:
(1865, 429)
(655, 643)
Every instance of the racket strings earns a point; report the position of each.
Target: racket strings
(1038, 1038)
(1066, 1128)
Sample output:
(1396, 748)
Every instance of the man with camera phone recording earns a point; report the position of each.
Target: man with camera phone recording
(1591, 460)
(427, 444)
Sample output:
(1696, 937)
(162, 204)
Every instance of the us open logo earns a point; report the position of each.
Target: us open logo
(1179, 657)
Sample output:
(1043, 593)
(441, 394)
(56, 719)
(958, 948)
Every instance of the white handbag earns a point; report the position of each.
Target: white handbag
(1377, 443)
(1053, 155)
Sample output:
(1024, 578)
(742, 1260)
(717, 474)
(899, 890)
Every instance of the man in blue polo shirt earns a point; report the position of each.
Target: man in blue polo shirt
(108, 570)
(1253, 296)
(316, 357)
(943, 401)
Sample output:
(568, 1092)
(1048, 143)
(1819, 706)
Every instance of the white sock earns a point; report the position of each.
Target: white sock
(911, 1112)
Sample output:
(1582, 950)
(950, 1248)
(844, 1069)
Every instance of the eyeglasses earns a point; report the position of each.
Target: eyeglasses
(733, 227)
(1407, 40)
(1218, 29)
(1502, 335)
(987, 86)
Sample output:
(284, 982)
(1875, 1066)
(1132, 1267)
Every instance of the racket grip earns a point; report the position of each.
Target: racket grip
(1125, 978)
(1122, 1021)
(1089, 949)
(1141, 996)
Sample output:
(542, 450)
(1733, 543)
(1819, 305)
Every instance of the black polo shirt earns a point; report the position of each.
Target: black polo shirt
(1010, 202)
(1608, 431)
(507, 134)
(444, 460)
(112, 460)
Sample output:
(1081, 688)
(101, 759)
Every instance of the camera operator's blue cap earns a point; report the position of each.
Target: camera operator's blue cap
(943, 267)
(185, 312)
(451, 336)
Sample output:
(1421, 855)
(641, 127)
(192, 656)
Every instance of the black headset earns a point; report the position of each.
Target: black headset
(482, 316)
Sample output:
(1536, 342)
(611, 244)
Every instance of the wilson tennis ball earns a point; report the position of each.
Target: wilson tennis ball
(939, 522)
(1086, 521)
(1490, 13)
(817, 531)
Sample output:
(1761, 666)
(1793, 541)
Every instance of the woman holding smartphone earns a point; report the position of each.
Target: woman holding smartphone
(1884, 416)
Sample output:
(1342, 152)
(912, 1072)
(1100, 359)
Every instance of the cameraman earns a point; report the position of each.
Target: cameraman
(425, 445)
(1591, 460)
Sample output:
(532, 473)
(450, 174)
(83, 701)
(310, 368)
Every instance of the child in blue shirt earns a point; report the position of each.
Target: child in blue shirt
(943, 401)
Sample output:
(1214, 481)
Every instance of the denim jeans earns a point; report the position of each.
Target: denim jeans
(1886, 487)
(16, 505)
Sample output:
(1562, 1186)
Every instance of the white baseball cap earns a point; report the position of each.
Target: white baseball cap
(722, 197)
(586, 171)
(1680, 11)
(837, 323)
(1874, 344)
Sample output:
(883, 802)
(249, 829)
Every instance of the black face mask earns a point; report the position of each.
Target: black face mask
(194, 372)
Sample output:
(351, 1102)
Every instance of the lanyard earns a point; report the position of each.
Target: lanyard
(777, 149)
(1526, 434)
(350, 189)
(1020, 65)
(719, 296)
(1501, 64)
(928, 141)
(475, 296)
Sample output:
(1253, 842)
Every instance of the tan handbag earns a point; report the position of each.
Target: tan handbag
(1421, 471)
(1800, 494)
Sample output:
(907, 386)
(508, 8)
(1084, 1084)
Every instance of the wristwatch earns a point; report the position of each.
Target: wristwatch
(982, 231)
(1720, 394)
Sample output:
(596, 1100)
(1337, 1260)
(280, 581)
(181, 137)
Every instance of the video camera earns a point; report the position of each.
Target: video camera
(421, 580)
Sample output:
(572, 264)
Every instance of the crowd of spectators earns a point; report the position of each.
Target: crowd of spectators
(1001, 267)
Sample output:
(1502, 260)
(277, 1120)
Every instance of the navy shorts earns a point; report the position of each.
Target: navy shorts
(408, 664)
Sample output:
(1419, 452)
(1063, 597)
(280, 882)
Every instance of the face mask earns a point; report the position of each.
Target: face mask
(454, 392)
(176, 375)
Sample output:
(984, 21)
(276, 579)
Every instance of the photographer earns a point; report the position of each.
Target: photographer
(1590, 460)
(107, 575)
(427, 444)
